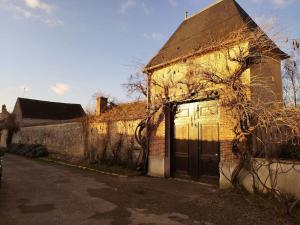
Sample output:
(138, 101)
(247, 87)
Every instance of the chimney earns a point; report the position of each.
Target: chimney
(101, 105)
(186, 14)
(4, 110)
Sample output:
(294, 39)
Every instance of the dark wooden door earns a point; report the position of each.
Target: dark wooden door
(181, 141)
(196, 140)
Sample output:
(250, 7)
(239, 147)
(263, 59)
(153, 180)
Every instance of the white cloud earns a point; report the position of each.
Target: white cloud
(154, 36)
(173, 3)
(53, 22)
(127, 5)
(11, 6)
(37, 4)
(32, 3)
(22, 12)
(28, 11)
(280, 2)
(60, 88)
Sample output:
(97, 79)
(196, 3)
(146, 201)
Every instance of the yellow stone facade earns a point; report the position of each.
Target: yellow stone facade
(269, 72)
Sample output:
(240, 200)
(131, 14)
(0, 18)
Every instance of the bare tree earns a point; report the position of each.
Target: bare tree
(137, 85)
(291, 75)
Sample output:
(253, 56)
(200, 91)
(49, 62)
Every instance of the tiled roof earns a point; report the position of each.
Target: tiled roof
(36, 109)
(126, 111)
(198, 31)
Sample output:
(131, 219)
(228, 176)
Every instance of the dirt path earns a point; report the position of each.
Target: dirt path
(37, 193)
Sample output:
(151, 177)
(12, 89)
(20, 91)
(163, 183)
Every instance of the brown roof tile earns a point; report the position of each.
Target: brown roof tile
(126, 111)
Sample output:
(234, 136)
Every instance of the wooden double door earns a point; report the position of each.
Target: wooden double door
(196, 140)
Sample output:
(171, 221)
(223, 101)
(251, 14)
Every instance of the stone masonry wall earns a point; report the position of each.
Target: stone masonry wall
(114, 142)
(284, 175)
(66, 139)
(107, 142)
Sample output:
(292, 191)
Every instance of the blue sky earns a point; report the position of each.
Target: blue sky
(66, 50)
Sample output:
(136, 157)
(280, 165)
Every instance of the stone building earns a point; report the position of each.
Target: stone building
(31, 112)
(55, 125)
(194, 143)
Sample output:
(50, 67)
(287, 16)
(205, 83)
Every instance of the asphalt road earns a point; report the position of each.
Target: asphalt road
(38, 193)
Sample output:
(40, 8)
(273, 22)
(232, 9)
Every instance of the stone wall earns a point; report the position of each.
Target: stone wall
(284, 175)
(113, 142)
(66, 138)
(107, 142)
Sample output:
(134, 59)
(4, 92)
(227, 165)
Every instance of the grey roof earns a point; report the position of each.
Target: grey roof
(37, 109)
(198, 31)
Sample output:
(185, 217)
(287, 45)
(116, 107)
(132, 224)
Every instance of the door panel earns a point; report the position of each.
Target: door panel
(209, 157)
(181, 147)
(194, 150)
(196, 140)
(210, 139)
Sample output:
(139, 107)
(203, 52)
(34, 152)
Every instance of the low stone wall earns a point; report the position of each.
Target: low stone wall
(114, 142)
(107, 142)
(284, 175)
(66, 139)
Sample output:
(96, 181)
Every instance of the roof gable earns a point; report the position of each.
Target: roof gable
(198, 31)
(36, 109)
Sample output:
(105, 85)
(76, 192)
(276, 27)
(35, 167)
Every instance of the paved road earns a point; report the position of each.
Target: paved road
(37, 193)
